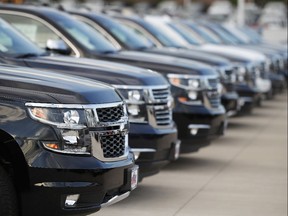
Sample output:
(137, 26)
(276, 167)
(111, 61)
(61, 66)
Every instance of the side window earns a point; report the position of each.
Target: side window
(139, 31)
(5, 42)
(31, 28)
(134, 29)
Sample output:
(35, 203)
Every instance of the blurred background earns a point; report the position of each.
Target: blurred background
(267, 16)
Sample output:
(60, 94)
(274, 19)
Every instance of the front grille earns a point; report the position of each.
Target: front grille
(215, 102)
(160, 114)
(163, 117)
(214, 99)
(213, 83)
(113, 146)
(161, 94)
(110, 114)
(108, 126)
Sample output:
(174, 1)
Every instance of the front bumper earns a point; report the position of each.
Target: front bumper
(248, 97)
(198, 125)
(154, 148)
(278, 82)
(230, 100)
(96, 183)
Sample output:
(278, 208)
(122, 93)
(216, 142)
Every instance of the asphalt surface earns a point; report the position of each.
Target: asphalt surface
(243, 173)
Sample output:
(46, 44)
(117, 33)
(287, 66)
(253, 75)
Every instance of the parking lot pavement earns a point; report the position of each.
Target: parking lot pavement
(241, 174)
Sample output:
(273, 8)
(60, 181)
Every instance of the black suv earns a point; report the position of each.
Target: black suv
(64, 144)
(198, 110)
(124, 38)
(153, 134)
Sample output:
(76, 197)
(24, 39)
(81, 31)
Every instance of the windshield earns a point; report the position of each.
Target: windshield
(13, 44)
(223, 36)
(204, 33)
(124, 34)
(84, 34)
(235, 34)
(185, 33)
(167, 36)
(252, 34)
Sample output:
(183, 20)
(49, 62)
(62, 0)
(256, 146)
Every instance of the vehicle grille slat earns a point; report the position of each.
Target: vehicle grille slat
(110, 114)
(113, 146)
(163, 116)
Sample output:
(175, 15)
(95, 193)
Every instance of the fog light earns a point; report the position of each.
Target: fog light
(133, 110)
(192, 95)
(194, 131)
(71, 200)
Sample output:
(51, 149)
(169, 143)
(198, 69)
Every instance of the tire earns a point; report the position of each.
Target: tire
(8, 198)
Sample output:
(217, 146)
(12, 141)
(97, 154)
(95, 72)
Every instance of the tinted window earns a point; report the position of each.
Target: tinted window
(12, 43)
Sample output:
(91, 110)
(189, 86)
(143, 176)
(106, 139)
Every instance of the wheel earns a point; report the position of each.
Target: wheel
(8, 198)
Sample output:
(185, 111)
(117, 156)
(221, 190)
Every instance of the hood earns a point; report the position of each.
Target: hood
(270, 53)
(105, 71)
(27, 85)
(195, 55)
(161, 63)
(234, 52)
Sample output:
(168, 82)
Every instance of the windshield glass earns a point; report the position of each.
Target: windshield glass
(167, 36)
(124, 34)
(186, 34)
(252, 34)
(84, 34)
(13, 44)
(204, 33)
(224, 37)
(233, 33)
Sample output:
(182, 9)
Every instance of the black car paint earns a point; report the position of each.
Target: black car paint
(116, 74)
(229, 99)
(31, 165)
(162, 64)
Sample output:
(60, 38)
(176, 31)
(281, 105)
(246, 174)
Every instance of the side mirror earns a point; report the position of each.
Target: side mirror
(58, 46)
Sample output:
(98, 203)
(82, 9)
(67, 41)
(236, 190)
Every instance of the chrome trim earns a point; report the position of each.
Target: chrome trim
(73, 106)
(188, 76)
(115, 199)
(143, 150)
(199, 126)
(136, 87)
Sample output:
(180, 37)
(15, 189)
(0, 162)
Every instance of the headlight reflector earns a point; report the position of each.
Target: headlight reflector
(71, 117)
(194, 83)
(134, 95)
(135, 103)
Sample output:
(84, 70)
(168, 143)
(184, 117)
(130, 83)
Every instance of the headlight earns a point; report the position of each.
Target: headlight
(135, 103)
(188, 86)
(71, 124)
(227, 74)
(240, 73)
(61, 118)
(184, 82)
(134, 95)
